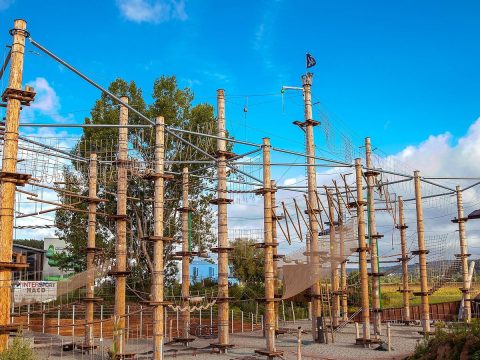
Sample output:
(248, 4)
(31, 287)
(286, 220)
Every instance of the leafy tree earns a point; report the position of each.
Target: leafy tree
(175, 105)
(247, 262)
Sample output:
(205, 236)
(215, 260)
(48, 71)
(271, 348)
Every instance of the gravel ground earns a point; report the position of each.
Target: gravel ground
(404, 339)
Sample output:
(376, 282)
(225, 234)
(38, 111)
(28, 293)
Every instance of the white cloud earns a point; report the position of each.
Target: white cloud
(290, 181)
(152, 11)
(46, 99)
(46, 105)
(440, 156)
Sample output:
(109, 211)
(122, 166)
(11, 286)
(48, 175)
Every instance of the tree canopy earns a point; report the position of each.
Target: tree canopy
(247, 262)
(175, 105)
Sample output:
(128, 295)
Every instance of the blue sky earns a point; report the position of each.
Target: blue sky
(404, 73)
(383, 68)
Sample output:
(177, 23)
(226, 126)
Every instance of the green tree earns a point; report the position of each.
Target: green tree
(175, 105)
(247, 262)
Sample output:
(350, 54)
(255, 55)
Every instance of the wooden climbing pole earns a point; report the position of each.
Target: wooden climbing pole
(309, 124)
(334, 257)
(343, 264)
(92, 222)
(422, 256)
(276, 256)
(460, 220)
(158, 238)
(268, 246)
(9, 178)
(121, 272)
(373, 236)
(362, 252)
(404, 259)
(185, 255)
(223, 246)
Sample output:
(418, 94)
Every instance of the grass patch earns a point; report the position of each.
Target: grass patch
(391, 298)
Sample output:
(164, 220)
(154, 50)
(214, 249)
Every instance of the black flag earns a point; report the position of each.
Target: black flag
(310, 61)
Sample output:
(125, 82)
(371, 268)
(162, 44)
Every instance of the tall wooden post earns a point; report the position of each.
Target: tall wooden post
(121, 223)
(333, 260)
(223, 248)
(276, 257)
(9, 178)
(185, 255)
(309, 124)
(158, 206)
(422, 256)
(362, 252)
(92, 222)
(461, 219)
(373, 237)
(343, 264)
(268, 246)
(404, 259)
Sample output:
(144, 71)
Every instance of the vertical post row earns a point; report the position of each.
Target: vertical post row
(92, 222)
(422, 256)
(8, 176)
(362, 252)
(121, 224)
(461, 219)
(373, 238)
(312, 188)
(404, 259)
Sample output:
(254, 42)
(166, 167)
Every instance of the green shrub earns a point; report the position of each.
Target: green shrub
(19, 350)
(455, 341)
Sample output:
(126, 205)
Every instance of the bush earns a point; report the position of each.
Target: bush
(18, 350)
(461, 341)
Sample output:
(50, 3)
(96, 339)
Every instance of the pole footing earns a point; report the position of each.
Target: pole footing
(269, 354)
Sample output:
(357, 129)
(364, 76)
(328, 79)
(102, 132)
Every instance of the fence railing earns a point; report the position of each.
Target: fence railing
(69, 320)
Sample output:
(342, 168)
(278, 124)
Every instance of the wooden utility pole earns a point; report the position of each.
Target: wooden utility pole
(362, 252)
(158, 238)
(121, 272)
(185, 255)
(276, 257)
(422, 256)
(373, 237)
(333, 260)
(92, 222)
(404, 259)
(461, 219)
(223, 246)
(308, 125)
(268, 246)
(9, 178)
(343, 264)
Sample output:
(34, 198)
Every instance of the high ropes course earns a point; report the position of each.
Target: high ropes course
(353, 209)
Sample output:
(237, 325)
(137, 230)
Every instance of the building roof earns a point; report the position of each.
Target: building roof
(202, 262)
(28, 248)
